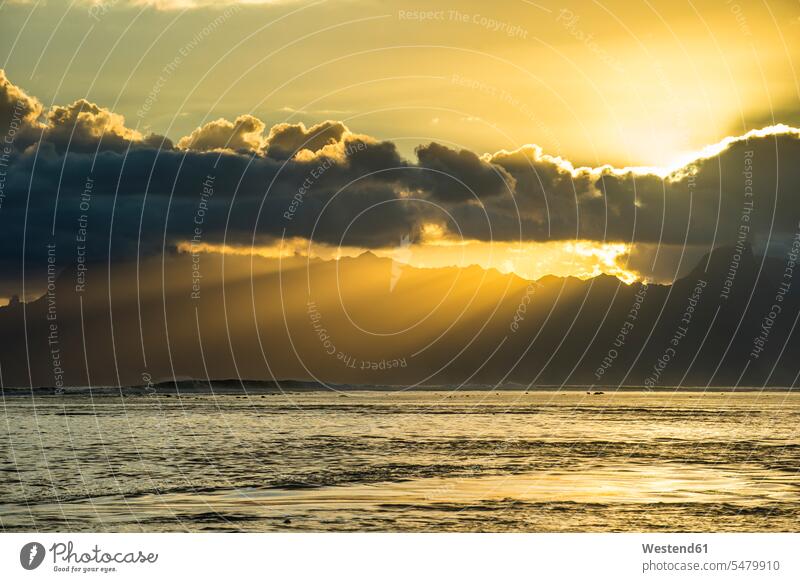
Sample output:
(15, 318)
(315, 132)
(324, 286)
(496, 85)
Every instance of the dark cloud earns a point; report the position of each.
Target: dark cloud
(703, 203)
(146, 200)
(460, 176)
(326, 183)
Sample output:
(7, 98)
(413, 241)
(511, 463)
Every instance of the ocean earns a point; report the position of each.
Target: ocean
(467, 461)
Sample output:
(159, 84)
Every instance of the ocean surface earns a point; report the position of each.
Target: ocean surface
(402, 461)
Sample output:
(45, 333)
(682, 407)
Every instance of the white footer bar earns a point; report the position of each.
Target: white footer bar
(416, 557)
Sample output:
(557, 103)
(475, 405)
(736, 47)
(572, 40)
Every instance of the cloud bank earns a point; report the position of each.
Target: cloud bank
(140, 195)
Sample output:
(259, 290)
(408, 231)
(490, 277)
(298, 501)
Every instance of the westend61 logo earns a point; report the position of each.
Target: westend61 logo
(67, 559)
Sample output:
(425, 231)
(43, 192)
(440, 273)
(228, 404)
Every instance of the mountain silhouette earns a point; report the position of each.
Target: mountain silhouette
(369, 320)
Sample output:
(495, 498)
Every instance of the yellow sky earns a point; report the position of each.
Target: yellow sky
(596, 82)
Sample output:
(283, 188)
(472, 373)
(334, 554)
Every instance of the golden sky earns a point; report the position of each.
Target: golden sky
(596, 82)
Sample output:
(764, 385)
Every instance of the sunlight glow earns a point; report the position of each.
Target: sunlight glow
(676, 170)
(533, 260)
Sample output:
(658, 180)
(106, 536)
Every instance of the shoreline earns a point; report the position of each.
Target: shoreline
(294, 387)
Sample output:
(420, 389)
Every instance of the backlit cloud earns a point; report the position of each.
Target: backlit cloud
(245, 133)
(289, 139)
(326, 184)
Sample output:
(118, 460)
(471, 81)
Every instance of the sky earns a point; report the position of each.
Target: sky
(616, 82)
(512, 110)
